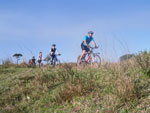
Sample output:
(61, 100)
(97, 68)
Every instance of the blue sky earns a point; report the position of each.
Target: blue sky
(31, 26)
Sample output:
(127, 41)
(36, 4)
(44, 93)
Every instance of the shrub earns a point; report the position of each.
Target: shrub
(7, 63)
(143, 61)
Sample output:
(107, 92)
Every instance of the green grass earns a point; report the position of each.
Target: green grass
(121, 88)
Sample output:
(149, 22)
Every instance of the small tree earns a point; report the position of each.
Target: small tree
(126, 57)
(17, 55)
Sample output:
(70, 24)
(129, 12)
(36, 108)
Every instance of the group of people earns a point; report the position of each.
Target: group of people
(53, 52)
(84, 46)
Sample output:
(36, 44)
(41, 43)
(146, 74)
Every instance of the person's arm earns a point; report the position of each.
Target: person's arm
(94, 44)
(86, 42)
(43, 58)
(57, 52)
(50, 51)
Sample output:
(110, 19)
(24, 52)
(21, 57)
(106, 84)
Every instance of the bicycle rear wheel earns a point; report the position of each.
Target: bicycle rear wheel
(80, 63)
(96, 61)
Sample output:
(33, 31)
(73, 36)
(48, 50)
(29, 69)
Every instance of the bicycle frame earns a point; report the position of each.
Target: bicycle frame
(54, 60)
(89, 55)
(90, 59)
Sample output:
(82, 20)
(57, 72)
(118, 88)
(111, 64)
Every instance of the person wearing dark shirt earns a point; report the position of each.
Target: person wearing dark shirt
(33, 61)
(53, 52)
(40, 58)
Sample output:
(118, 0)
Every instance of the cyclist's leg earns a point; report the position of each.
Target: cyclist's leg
(39, 61)
(83, 51)
(52, 60)
(55, 59)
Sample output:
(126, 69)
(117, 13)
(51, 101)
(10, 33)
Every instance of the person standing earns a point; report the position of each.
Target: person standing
(33, 61)
(40, 58)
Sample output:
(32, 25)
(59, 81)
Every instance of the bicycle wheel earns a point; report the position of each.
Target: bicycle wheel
(96, 61)
(80, 63)
(57, 62)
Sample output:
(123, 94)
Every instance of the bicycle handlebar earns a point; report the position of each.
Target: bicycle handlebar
(94, 47)
(57, 54)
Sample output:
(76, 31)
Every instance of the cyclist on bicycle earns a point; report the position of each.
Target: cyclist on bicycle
(85, 44)
(53, 52)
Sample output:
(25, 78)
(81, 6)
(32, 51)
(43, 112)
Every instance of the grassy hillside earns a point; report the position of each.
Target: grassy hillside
(113, 88)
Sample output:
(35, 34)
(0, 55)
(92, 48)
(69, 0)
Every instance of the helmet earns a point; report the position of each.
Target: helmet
(54, 45)
(90, 32)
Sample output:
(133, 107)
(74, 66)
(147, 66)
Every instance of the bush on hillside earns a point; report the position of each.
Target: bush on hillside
(143, 61)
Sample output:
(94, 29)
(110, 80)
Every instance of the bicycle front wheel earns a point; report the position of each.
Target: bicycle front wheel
(96, 61)
(57, 62)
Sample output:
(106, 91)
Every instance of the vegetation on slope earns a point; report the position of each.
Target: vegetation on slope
(114, 87)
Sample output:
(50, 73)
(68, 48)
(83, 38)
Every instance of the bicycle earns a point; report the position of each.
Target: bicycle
(93, 59)
(55, 61)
